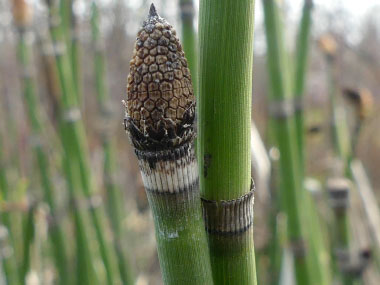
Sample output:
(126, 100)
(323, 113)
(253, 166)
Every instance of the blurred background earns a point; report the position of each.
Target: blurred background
(66, 161)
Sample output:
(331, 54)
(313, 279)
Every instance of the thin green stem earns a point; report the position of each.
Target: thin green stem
(302, 53)
(285, 135)
(74, 139)
(9, 262)
(317, 248)
(42, 161)
(189, 39)
(114, 195)
(28, 239)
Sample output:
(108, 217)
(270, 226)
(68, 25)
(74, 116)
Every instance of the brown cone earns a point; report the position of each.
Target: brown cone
(160, 103)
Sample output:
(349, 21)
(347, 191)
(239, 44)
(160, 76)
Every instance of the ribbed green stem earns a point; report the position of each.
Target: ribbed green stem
(285, 135)
(224, 118)
(189, 39)
(181, 240)
(114, 195)
(171, 182)
(42, 161)
(74, 138)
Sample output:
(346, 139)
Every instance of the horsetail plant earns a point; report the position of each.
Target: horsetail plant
(317, 248)
(114, 195)
(281, 110)
(73, 138)
(70, 30)
(160, 111)
(85, 268)
(339, 190)
(226, 30)
(302, 52)
(31, 104)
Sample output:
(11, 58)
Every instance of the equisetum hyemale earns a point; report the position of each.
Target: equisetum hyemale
(160, 110)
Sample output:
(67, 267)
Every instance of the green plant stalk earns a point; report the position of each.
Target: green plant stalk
(42, 161)
(342, 242)
(285, 134)
(224, 110)
(165, 151)
(181, 240)
(9, 263)
(303, 40)
(85, 268)
(75, 52)
(317, 247)
(114, 195)
(318, 256)
(342, 147)
(69, 27)
(74, 138)
(28, 239)
(189, 39)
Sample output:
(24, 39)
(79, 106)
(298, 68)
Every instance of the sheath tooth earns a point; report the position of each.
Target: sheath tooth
(185, 171)
(180, 173)
(174, 175)
(161, 171)
(169, 176)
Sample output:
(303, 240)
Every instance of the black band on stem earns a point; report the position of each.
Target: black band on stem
(229, 217)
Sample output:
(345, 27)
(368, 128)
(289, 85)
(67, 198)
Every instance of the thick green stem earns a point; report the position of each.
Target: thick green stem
(163, 141)
(175, 202)
(224, 118)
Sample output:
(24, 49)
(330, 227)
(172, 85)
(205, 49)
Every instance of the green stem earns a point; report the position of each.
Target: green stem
(9, 262)
(343, 149)
(114, 195)
(302, 53)
(315, 238)
(42, 161)
(164, 148)
(189, 39)
(28, 239)
(224, 110)
(74, 138)
(285, 134)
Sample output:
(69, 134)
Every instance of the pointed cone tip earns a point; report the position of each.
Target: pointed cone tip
(152, 11)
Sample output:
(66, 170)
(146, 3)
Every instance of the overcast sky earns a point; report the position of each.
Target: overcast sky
(357, 8)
